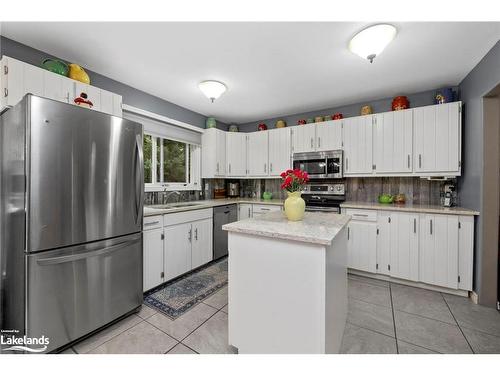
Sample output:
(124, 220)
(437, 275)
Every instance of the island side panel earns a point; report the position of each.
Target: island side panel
(336, 292)
(276, 295)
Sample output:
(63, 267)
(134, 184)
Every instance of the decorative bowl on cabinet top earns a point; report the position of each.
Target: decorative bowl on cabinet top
(56, 66)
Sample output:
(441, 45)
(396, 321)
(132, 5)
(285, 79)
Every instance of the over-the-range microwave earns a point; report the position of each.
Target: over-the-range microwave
(327, 164)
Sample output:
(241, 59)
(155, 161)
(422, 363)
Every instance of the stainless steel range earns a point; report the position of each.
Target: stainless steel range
(324, 197)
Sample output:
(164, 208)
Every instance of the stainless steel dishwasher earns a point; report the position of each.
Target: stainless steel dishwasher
(222, 215)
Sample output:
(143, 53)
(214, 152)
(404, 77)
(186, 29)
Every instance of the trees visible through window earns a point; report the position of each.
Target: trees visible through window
(168, 161)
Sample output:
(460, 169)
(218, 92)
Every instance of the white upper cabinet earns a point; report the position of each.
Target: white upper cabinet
(329, 135)
(111, 103)
(303, 138)
(19, 79)
(236, 154)
(358, 145)
(279, 151)
(437, 139)
(392, 142)
(258, 153)
(213, 150)
(57, 87)
(93, 94)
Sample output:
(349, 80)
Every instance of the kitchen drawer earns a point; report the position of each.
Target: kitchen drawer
(265, 208)
(153, 222)
(361, 215)
(187, 216)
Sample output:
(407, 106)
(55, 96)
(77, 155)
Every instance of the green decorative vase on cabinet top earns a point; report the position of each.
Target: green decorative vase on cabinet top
(295, 206)
(211, 123)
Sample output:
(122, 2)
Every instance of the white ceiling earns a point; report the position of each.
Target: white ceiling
(271, 69)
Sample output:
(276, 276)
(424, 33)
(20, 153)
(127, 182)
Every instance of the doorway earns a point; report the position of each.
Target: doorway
(491, 190)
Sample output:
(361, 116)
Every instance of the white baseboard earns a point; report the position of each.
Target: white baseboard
(457, 292)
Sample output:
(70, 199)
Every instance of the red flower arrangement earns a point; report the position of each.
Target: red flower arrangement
(293, 180)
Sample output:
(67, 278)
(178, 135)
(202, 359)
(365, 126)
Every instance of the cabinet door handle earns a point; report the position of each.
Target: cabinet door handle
(151, 223)
(190, 235)
(414, 225)
(196, 234)
(346, 164)
(408, 161)
(217, 167)
(348, 233)
(319, 142)
(420, 160)
(265, 209)
(248, 211)
(271, 166)
(312, 143)
(430, 226)
(362, 215)
(229, 167)
(265, 168)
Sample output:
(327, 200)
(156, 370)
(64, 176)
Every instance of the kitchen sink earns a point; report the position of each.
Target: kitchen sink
(175, 205)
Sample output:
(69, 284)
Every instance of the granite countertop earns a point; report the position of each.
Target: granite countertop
(316, 227)
(424, 208)
(209, 203)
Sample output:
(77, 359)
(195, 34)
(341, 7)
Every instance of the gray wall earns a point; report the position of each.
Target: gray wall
(478, 83)
(131, 96)
(378, 105)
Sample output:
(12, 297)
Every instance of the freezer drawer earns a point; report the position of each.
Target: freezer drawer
(73, 291)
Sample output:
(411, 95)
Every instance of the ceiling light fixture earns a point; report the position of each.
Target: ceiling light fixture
(212, 89)
(370, 42)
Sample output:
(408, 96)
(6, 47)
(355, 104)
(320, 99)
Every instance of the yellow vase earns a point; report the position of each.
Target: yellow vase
(295, 206)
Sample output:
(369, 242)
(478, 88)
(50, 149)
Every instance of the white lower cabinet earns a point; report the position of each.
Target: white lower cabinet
(202, 239)
(261, 209)
(177, 246)
(174, 244)
(436, 249)
(362, 242)
(244, 211)
(404, 243)
(439, 250)
(153, 258)
(384, 243)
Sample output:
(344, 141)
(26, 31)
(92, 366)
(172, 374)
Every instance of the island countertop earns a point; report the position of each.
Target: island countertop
(316, 227)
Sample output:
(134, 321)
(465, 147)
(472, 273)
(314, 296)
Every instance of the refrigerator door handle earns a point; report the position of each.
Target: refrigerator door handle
(139, 201)
(87, 254)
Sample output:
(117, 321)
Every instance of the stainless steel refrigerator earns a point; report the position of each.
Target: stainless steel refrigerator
(71, 219)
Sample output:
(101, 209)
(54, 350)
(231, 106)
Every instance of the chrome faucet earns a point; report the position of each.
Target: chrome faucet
(169, 194)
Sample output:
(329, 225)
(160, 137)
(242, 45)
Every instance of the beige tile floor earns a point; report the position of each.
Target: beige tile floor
(383, 318)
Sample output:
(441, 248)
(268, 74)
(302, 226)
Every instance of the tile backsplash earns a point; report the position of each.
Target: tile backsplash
(361, 189)
(416, 190)
(164, 197)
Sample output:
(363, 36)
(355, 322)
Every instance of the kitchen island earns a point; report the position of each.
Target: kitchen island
(288, 283)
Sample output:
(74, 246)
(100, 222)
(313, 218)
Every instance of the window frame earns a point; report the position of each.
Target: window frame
(193, 167)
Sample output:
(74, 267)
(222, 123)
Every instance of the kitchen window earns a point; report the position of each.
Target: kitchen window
(170, 164)
(172, 151)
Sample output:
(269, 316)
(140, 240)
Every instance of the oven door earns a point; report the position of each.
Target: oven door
(315, 167)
